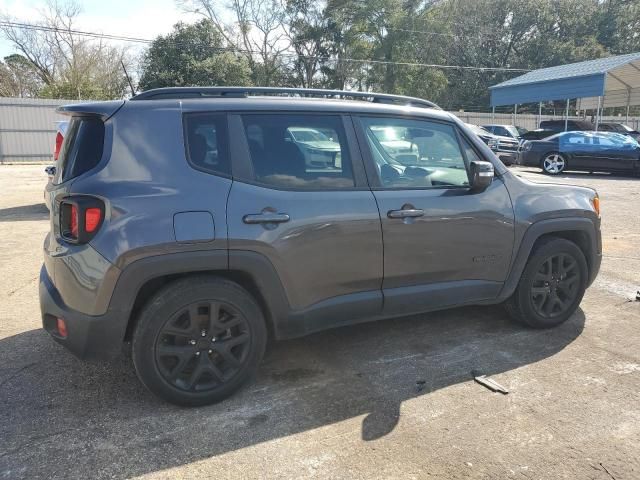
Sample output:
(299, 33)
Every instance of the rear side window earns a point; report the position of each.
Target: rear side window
(206, 142)
(82, 147)
(306, 152)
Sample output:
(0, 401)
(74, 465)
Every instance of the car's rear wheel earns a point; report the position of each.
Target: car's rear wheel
(552, 284)
(553, 163)
(198, 340)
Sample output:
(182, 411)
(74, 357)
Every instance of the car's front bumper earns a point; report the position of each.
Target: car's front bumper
(507, 157)
(87, 336)
(528, 158)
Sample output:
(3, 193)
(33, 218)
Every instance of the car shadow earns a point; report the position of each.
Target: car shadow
(64, 417)
(37, 211)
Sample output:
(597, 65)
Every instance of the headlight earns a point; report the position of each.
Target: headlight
(493, 144)
(527, 146)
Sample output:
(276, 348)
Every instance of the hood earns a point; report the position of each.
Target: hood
(324, 145)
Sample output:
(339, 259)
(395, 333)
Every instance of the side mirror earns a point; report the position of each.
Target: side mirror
(481, 175)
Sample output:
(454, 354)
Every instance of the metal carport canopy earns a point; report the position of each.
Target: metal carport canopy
(615, 79)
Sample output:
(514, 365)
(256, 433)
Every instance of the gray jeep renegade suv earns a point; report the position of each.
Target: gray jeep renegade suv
(193, 223)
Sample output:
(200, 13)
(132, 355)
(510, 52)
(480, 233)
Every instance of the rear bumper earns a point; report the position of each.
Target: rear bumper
(88, 337)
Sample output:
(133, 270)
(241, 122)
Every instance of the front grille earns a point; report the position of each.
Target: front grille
(512, 147)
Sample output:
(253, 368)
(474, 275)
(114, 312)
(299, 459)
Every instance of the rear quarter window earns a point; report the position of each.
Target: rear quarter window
(82, 148)
(206, 142)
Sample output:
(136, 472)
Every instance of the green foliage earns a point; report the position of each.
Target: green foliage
(393, 46)
(18, 77)
(192, 55)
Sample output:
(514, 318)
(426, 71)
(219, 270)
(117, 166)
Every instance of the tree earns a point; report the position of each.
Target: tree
(192, 55)
(255, 29)
(309, 36)
(69, 65)
(18, 78)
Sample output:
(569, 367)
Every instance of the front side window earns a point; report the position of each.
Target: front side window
(307, 152)
(206, 141)
(414, 153)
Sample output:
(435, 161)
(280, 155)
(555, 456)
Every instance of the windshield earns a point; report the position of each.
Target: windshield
(478, 130)
(388, 134)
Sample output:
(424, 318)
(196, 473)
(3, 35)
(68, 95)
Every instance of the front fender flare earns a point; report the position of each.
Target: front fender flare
(549, 226)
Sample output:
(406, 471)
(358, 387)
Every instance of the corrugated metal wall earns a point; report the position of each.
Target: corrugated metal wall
(28, 126)
(27, 129)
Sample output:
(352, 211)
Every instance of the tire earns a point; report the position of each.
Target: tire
(553, 163)
(188, 356)
(545, 296)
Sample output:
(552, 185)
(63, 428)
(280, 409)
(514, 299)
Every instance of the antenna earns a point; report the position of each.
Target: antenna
(133, 92)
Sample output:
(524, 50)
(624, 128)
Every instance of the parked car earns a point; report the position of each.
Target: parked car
(509, 131)
(318, 149)
(619, 128)
(61, 131)
(590, 151)
(551, 127)
(505, 148)
(196, 256)
(394, 139)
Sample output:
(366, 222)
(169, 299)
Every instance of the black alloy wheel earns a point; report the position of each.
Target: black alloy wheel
(555, 285)
(202, 346)
(198, 340)
(552, 284)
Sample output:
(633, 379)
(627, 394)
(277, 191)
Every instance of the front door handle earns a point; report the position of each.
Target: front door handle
(406, 213)
(265, 217)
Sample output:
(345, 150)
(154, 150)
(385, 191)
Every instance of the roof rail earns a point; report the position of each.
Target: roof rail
(243, 92)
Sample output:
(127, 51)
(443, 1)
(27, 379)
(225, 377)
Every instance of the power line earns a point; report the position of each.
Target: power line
(30, 26)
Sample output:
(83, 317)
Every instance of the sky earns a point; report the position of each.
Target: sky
(134, 18)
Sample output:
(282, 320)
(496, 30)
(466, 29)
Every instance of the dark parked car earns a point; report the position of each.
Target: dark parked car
(551, 127)
(188, 223)
(619, 128)
(510, 131)
(591, 151)
(505, 148)
(573, 125)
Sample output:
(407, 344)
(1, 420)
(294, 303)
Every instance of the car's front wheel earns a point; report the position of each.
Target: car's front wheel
(551, 286)
(198, 340)
(554, 163)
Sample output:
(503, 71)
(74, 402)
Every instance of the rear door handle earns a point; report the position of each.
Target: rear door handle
(265, 217)
(406, 213)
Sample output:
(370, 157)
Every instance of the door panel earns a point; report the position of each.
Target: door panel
(300, 198)
(614, 154)
(330, 246)
(443, 244)
(461, 236)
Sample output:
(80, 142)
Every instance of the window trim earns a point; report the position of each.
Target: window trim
(227, 142)
(371, 169)
(242, 165)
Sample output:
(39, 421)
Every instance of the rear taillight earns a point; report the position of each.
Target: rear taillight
(92, 219)
(57, 146)
(80, 218)
(73, 221)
